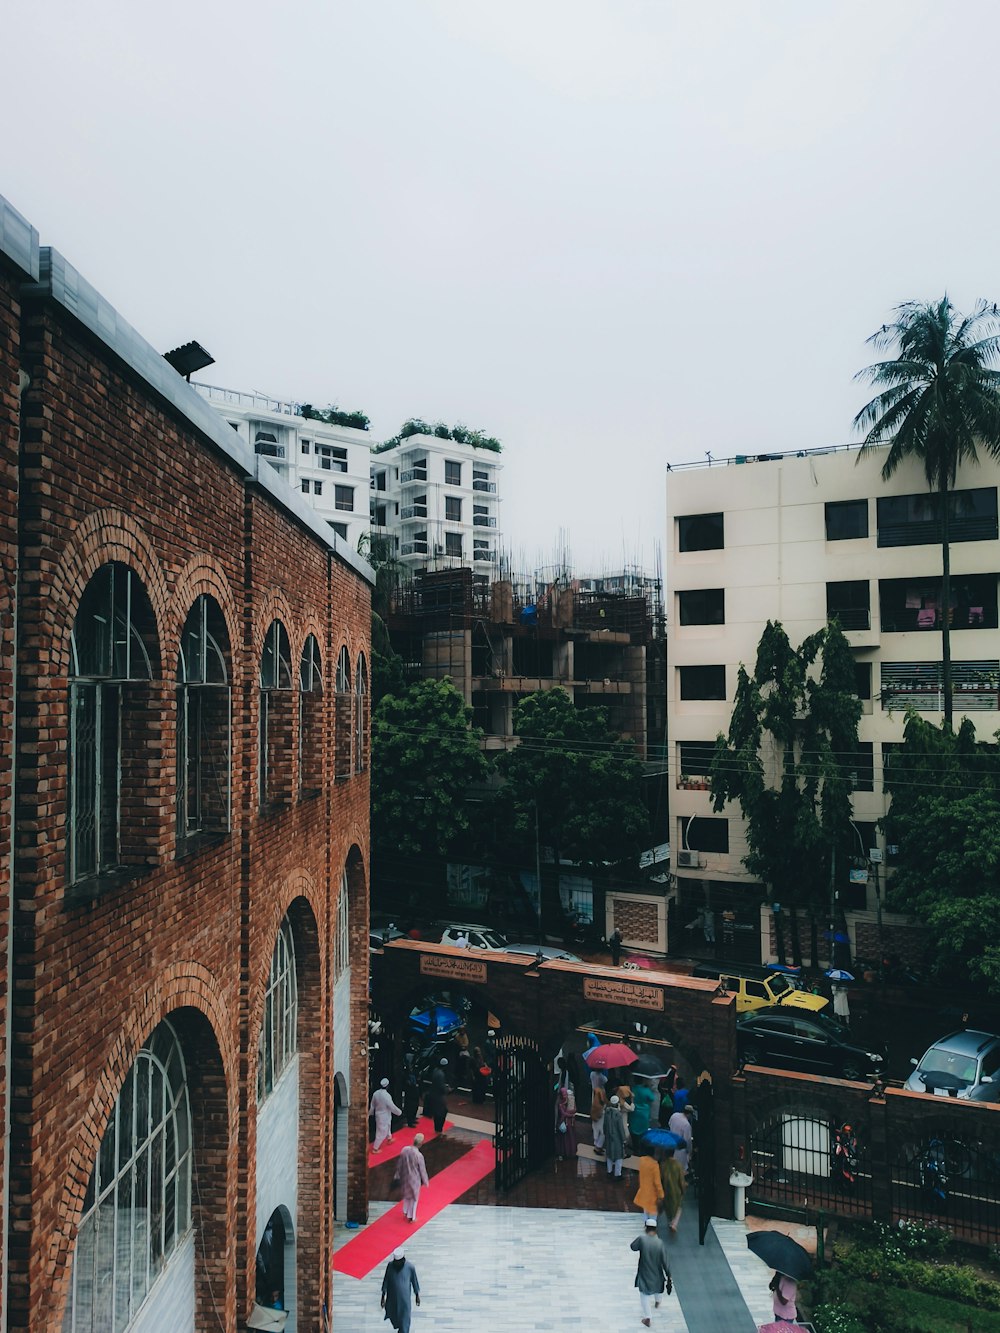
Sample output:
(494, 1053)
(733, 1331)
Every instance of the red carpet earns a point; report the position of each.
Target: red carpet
(376, 1242)
(402, 1139)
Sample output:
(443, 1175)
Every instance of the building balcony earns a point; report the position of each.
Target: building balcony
(484, 555)
(412, 511)
(412, 475)
(483, 521)
(488, 487)
(413, 548)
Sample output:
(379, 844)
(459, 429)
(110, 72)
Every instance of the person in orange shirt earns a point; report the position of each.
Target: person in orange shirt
(650, 1189)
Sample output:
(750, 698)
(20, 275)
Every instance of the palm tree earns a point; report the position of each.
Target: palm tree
(939, 403)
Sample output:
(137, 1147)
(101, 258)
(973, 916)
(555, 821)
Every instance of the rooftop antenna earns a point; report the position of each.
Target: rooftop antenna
(709, 457)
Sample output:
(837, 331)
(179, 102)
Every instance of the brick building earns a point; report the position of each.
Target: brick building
(184, 914)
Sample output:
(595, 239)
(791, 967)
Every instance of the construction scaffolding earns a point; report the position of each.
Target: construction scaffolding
(603, 640)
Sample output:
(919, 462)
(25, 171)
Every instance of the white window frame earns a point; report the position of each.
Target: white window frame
(126, 1235)
(277, 1042)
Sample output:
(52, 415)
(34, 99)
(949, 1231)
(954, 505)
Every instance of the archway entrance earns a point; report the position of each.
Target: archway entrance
(275, 1276)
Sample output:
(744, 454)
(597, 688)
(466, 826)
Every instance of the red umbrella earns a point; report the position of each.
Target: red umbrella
(612, 1055)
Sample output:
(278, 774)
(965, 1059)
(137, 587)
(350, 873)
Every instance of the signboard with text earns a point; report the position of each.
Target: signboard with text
(454, 969)
(609, 990)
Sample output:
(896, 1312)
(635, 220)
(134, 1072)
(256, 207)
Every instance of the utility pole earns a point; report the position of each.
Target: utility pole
(538, 873)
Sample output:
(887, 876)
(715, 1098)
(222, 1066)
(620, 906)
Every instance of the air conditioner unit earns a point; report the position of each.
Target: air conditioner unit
(438, 549)
(689, 860)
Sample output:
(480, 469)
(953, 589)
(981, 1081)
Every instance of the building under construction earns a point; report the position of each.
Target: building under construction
(602, 640)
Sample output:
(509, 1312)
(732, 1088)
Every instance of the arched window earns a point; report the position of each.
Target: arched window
(360, 715)
(113, 650)
(343, 704)
(278, 1040)
(138, 1203)
(342, 938)
(275, 733)
(310, 719)
(204, 759)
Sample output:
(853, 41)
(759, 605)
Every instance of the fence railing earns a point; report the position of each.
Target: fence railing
(904, 1155)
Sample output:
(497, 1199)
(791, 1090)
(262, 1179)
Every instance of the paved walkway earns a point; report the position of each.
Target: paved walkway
(535, 1269)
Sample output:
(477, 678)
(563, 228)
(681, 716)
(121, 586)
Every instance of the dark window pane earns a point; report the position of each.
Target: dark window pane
(696, 758)
(915, 603)
(708, 835)
(846, 519)
(703, 682)
(700, 532)
(848, 603)
(914, 520)
(703, 606)
(863, 680)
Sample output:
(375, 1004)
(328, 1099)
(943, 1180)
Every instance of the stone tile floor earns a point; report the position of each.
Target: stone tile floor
(554, 1254)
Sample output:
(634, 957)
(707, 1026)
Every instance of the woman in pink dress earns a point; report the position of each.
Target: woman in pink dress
(784, 1290)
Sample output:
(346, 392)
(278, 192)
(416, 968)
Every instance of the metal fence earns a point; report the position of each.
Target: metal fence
(909, 1157)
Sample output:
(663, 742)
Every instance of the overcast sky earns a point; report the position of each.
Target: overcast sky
(614, 233)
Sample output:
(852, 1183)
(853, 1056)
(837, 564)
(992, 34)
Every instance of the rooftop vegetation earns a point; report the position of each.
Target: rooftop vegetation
(335, 416)
(459, 433)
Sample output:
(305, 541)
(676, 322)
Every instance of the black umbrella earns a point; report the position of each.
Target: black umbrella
(650, 1066)
(781, 1253)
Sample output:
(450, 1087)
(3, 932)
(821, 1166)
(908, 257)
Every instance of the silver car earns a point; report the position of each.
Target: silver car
(957, 1064)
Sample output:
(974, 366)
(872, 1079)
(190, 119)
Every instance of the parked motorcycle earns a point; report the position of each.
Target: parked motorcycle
(932, 1173)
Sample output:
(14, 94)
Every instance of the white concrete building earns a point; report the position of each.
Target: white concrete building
(801, 538)
(329, 465)
(439, 501)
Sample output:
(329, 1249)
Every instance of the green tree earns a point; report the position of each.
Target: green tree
(579, 779)
(939, 402)
(388, 676)
(787, 763)
(945, 819)
(425, 757)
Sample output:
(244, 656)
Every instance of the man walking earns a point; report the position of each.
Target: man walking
(598, 1106)
(435, 1103)
(615, 944)
(399, 1281)
(614, 1137)
(411, 1091)
(653, 1274)
(412, 1172)
(680, 1123)
(383, 1108)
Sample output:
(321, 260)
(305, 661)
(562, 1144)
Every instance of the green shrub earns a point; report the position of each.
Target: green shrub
(838, 1318)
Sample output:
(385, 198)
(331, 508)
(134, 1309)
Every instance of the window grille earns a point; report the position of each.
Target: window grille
(278, 1040)
(310, 717)
(204, 727)
(137, 1208)
(275, 682)
(109, 657)
(342, 940)
(360, 715)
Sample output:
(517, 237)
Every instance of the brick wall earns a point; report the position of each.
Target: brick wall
(108, 473)
(9, 365)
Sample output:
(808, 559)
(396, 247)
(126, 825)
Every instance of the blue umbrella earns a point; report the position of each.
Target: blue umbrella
(662, 1138)
(441, 1020)
(838, 974)
(784, 969)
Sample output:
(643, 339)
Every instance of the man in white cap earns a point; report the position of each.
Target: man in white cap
(614, 1137)
(412, 1174)
(383, 1108)
(435, 1103)
(653, 1274)
(399, 1280)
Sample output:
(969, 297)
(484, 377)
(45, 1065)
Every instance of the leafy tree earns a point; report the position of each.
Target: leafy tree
(787, 761)
(945, 820)
(425, 757)
(579, 779)
(388, 676)
(939, 403)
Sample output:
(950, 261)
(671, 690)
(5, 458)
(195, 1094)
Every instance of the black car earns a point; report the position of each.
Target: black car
(811, 1043)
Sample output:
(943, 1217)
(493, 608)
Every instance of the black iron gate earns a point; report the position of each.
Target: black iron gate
(704, 1139)
(524, 1129)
